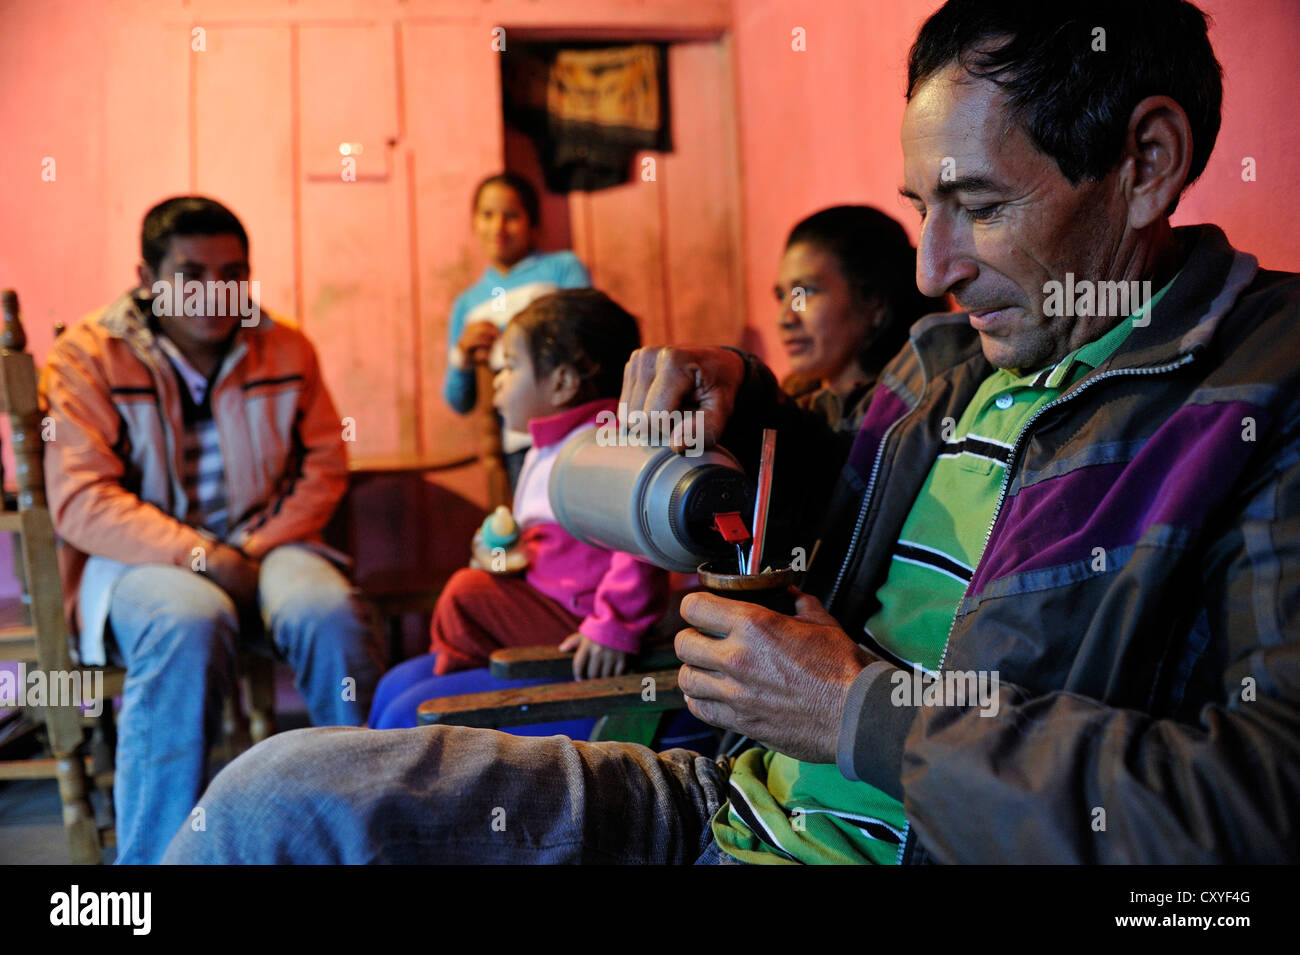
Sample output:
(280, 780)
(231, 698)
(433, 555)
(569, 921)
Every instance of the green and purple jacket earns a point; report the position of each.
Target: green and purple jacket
(1138, 594)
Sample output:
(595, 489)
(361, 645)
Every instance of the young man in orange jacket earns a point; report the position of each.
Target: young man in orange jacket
(195, 459)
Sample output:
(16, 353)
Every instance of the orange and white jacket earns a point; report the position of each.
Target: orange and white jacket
(112, 468)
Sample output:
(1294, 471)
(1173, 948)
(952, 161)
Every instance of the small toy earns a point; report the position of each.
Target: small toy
(495, 547)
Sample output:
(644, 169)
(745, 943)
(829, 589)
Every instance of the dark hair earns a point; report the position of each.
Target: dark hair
(878, 261)
(523, 189)
(185, 215)
(582, 328)
(1074, 101)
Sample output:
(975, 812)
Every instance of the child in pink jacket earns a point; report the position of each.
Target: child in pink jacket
(563, 365)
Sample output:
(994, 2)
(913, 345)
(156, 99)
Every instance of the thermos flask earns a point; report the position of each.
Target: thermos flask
(647, 500)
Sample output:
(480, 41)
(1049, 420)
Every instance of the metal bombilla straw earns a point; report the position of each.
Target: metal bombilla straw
(755, 563)
(732, 742)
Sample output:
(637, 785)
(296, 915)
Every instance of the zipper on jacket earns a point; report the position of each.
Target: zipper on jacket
(862, 511)
(875, 470)
(1011, 462)
(909, 836)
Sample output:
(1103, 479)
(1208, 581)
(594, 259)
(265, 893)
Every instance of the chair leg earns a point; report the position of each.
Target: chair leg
(78, 816)
(261, 698)
(20, 572)
(63, 726)
(103, 754)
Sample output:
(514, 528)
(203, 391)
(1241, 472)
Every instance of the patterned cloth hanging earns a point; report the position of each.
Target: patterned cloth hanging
(588, 110)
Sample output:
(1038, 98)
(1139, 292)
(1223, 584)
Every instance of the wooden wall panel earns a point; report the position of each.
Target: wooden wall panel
(115, 127)
(243, 150)
(700, 180)
(571, 17)
(454, 138)
(355, 248)
(148, 134)
(668, 249)
(622, 243)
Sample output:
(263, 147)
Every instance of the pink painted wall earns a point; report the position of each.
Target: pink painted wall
(129, 113)
(129, 109)
(820, 127)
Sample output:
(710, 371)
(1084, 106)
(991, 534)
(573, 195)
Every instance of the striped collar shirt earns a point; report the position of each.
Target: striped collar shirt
(203, 474)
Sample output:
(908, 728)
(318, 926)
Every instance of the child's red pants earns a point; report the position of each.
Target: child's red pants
(479, 612)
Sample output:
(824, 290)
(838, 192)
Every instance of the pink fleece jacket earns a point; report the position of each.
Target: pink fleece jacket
(617, 595)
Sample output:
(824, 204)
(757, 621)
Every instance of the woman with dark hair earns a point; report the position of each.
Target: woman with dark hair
(847, 289)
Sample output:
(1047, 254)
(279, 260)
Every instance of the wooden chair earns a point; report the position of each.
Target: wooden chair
(42, 636)
(632, 708)
(492, 455)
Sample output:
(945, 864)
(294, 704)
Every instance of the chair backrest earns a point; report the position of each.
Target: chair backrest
(491, 454)
(18, 399)
(35, 540)
(45, 639)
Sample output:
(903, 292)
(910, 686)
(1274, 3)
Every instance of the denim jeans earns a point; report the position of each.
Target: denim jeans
(411, 682)
(177, 633)
(442, 794)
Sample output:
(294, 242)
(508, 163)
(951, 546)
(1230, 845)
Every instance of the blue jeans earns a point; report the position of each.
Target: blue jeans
(177, 633)
(411, 682)
(454, 794)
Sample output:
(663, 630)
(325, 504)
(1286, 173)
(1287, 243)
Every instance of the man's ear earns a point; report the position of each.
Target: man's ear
(145, 275)
(565, 385)
(1157, 159)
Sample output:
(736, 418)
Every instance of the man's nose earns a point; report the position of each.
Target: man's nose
(787, 317)
(942, 260)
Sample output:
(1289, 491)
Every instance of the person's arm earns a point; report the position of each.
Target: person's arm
(575, 274)
(630, 597)
(459, 387)
(90, 508)
(1087, 782)
(308, 497)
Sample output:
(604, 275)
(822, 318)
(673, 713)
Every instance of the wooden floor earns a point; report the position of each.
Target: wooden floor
(31, 823)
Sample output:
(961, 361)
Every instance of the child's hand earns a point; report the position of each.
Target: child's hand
(593, 660)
